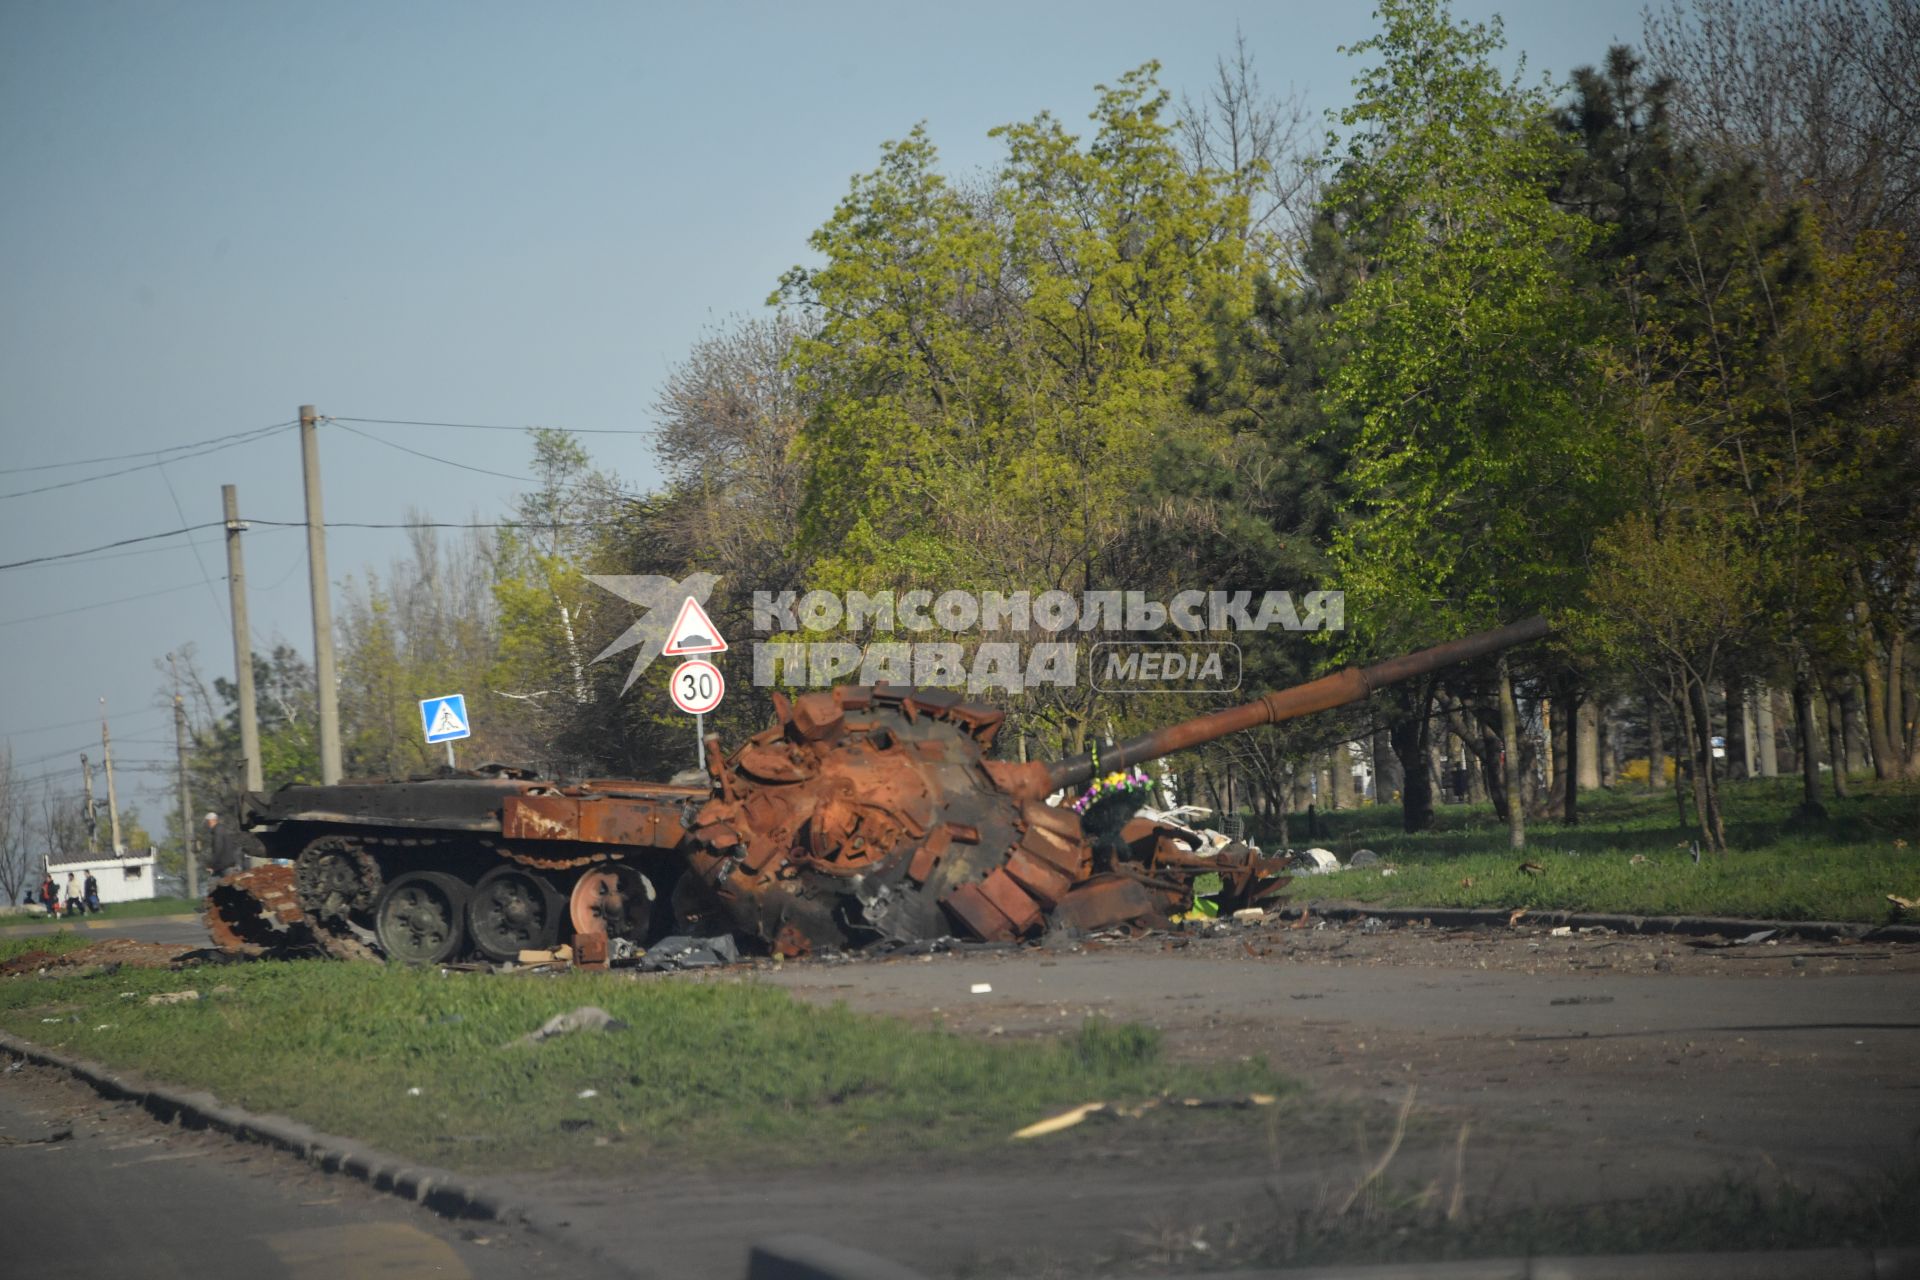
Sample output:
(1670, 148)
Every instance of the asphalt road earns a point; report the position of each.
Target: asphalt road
(1581, 1067)
(185, 930)
(94, 1188)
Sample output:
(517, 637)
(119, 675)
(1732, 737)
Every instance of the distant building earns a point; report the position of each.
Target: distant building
(123, 877)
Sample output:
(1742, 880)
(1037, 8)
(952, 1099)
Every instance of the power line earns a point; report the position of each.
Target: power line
(93, 719)
(368, 435)
(301, 524)
(122, 555)
(219, 605)
(145, 453)
(247, 438)
(104, 604)
(123, 542)
(482, 426)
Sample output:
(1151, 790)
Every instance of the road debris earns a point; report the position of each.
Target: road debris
(1316, 862)
(981, 989)
(1075, 1115)
(588, 1017)
(682, 952)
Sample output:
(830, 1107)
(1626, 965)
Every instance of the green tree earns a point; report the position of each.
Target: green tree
(990, 369)
(1471, 367)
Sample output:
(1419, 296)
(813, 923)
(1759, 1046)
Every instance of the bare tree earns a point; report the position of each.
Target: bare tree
(14, 863)
(1823, 95)
(1259, 140)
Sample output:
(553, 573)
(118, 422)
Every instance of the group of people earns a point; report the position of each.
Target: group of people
(80, 897)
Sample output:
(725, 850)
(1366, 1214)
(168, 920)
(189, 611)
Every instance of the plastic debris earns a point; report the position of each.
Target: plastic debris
(1249, 915)
(1065, 1120)
(414, 1092)
(588, 1017)
(981, 988)
(1363, 858)
(1372, 924)
(1316, 862)
(682, 952)
(173, 997)
(587, 1093)
(1561, 931)
(1388, 871)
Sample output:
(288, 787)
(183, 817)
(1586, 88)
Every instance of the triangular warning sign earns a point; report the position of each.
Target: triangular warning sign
(693, 632)
(446, 720)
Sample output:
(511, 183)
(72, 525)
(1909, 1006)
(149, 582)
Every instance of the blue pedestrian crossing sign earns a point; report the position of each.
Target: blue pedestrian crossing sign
(445, 719)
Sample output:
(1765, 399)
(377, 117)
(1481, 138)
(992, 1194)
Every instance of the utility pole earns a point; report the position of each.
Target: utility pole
(93, 819)
(242, 645)
(186, 804)
(113, 800)
(322, 603)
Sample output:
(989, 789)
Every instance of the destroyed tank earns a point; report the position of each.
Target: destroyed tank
(861, 815)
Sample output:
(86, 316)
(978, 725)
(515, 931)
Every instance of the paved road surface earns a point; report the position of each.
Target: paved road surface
(185, 930)
(96, 1189)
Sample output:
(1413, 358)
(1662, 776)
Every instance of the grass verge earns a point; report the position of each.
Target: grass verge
(426, 1064)
(1631, 854)
(141, 909)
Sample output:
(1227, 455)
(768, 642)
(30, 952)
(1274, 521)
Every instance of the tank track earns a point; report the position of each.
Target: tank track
(257, 912)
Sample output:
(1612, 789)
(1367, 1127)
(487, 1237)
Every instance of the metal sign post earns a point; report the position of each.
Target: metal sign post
(444, 719)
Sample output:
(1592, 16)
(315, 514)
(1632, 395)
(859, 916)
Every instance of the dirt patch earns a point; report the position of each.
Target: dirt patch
(121, 952)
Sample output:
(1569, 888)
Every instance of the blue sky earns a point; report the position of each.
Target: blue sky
(212, 213)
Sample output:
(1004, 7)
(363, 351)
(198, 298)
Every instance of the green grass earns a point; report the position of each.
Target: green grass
(711, 1072)
(64, 940)
(140, 909)
(1777, 869)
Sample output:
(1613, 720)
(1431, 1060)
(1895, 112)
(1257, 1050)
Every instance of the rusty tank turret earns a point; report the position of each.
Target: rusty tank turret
(862, 814)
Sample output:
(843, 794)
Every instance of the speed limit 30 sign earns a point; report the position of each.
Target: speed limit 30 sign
(697, 687)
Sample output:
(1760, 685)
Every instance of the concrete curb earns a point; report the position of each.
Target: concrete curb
(1691, 926)
(802, 1257)
(441, 1191)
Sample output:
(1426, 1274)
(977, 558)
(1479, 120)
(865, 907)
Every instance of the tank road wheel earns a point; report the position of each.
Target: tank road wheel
(336, 877)
(513, 910)
(615, 900)
(418, 918)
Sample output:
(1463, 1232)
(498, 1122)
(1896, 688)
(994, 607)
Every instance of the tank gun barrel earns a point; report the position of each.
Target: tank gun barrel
(1336, 690)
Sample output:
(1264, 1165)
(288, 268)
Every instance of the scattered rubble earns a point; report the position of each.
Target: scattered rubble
(587, 1017)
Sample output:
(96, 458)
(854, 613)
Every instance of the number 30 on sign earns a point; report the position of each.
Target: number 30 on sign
(698, 687)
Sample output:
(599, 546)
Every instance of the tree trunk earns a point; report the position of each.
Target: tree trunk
(1410, 738)
(1837, 741)
(1682, 755)
(1656, 747)
(1570, 749)
(1706, 791)
(1340, 776)
(1607, 742)
(1386, 768)
(1587, 753)
(1550, 744)
(1763, 724)
(1739, 739)
(1810, 806)
(1510, 759)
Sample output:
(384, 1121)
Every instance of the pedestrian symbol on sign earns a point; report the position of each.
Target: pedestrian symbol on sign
(445, 719)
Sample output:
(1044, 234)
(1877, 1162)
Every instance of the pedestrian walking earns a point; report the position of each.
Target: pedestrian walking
(92, 890)
(74, 905)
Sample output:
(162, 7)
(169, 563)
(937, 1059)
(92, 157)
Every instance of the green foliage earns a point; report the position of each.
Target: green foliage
(986, 354)
(1469, 361)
